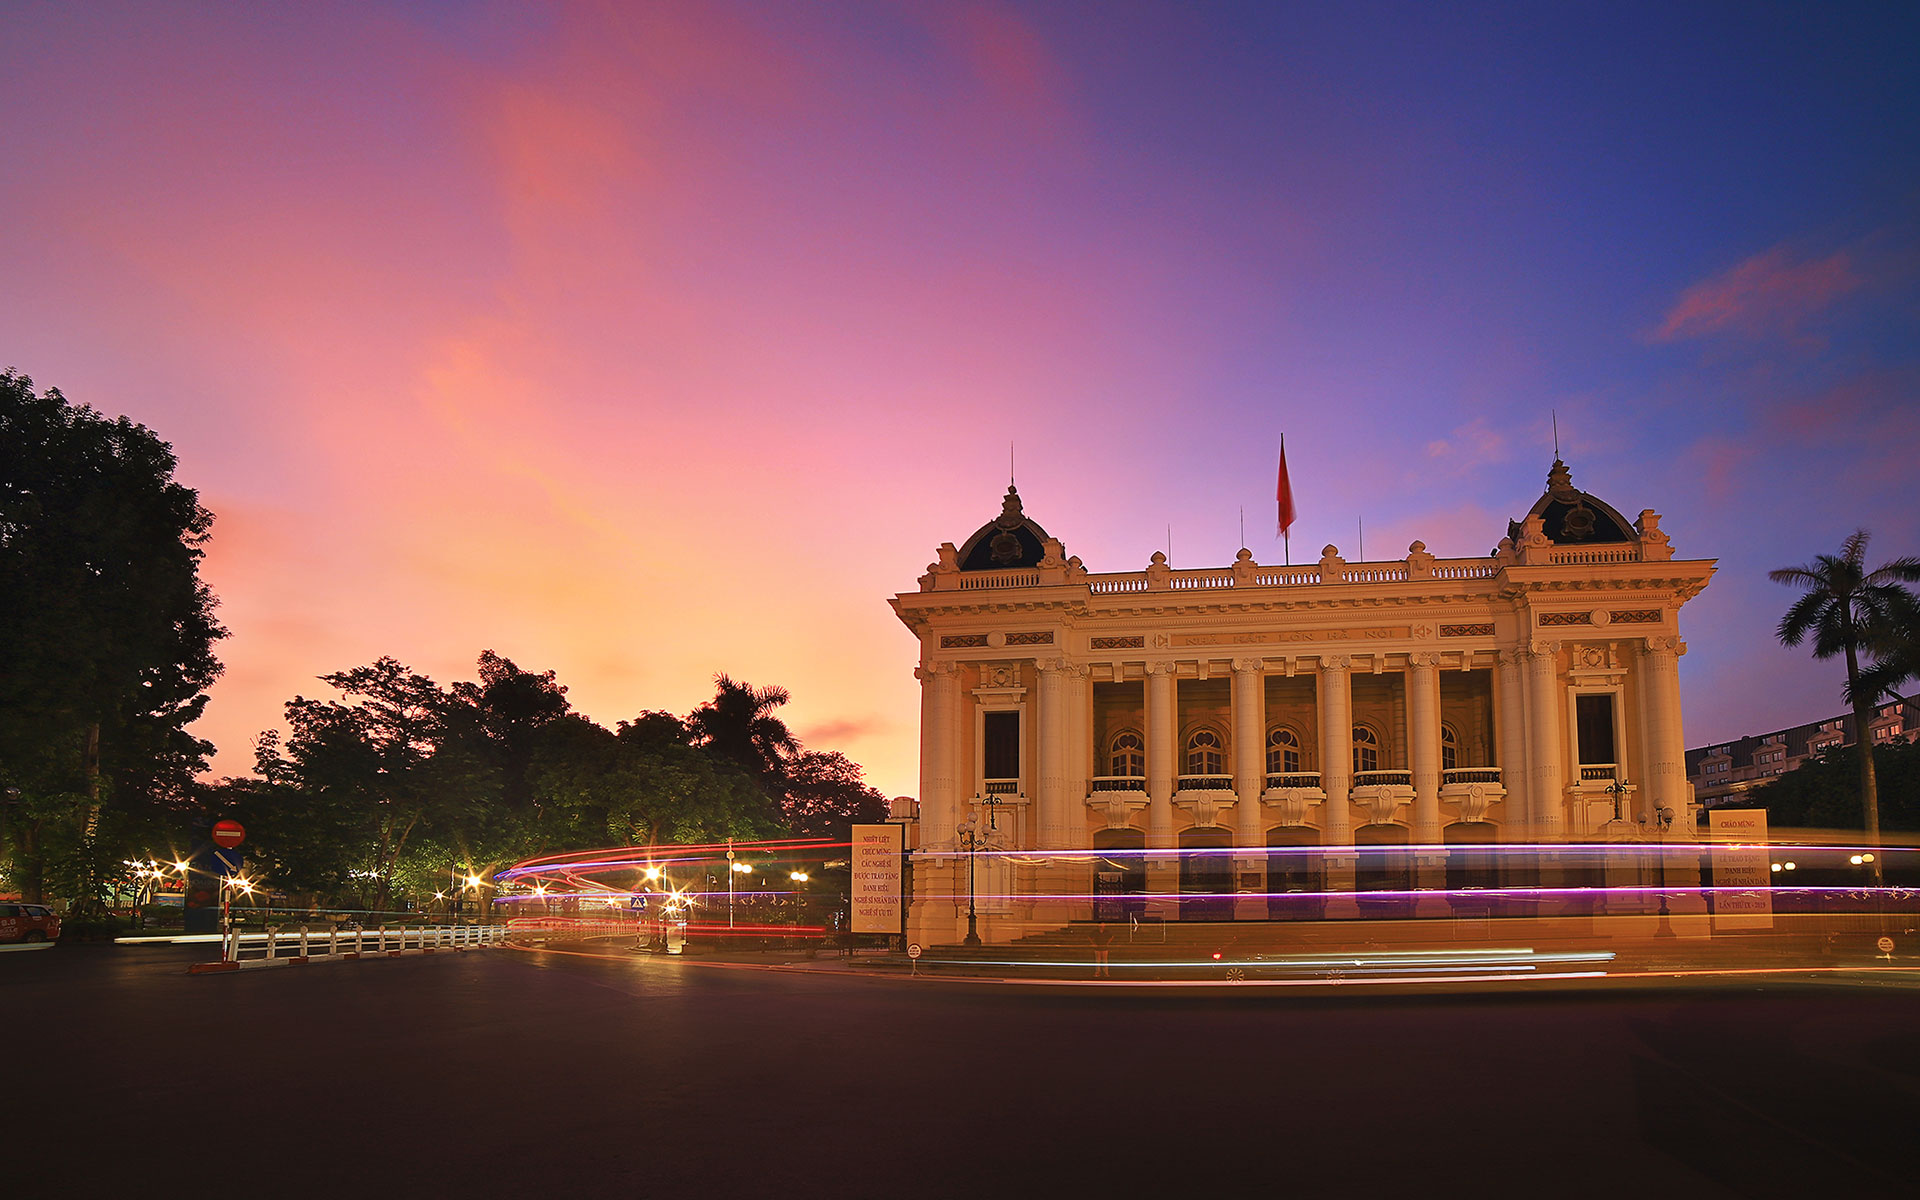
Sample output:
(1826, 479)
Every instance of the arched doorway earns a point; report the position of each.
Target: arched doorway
(1383, 866)
(1206, 874)
(1295, 874)
(1119, 878)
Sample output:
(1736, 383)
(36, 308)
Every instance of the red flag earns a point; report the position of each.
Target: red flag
(1283, 491)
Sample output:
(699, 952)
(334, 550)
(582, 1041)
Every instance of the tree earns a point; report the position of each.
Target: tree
(511, 705)
(1821, 793)
(1894, 647)
(827, 793)
(1842, 603)
(402, 754)
(106, 637)
(738, 724)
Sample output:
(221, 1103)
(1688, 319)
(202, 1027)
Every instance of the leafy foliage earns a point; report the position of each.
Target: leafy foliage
(1820, 793)
(106, 639)
(401, 787)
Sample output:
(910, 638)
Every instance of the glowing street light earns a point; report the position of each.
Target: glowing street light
(797, 876)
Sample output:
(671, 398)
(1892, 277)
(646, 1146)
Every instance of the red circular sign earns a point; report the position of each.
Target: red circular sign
(228, 834)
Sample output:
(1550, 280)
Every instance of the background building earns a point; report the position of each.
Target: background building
(1725, 771)
(1532, 695)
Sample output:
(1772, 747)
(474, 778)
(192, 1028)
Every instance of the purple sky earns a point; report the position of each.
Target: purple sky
(644, 342)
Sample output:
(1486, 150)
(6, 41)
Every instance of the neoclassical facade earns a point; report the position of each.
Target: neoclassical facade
(1530, 696)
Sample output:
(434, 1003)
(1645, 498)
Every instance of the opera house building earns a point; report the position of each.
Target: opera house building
(1254, 742)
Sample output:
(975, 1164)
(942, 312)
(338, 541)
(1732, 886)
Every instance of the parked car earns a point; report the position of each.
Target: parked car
(28, 923)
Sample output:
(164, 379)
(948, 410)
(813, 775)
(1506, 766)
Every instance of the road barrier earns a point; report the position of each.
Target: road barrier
(241, 951)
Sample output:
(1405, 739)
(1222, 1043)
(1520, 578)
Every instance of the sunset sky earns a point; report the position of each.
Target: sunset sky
(641, 342)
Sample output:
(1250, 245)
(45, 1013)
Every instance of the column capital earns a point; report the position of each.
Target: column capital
(1336, 662)
(927, 671)
(1158, 668)
(1248, 666)
(1662, 644)
(1543, 649)
(1426, 660)
(1051, 666)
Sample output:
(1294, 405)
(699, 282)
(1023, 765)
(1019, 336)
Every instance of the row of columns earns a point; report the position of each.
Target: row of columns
(1528, 744)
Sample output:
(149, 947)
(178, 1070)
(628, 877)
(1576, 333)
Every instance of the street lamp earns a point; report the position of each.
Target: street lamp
(733, 868)
(1618, 789)
(971, 838)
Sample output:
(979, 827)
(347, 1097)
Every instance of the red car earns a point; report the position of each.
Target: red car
(28, 923)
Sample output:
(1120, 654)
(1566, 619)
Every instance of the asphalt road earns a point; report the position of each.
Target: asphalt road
(537, 1074)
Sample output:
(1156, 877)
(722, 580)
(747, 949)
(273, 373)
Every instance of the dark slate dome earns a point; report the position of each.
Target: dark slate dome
(1573, 517)
(1009, 540)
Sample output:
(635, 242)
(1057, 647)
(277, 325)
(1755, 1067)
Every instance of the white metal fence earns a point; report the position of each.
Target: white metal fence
(305, 944)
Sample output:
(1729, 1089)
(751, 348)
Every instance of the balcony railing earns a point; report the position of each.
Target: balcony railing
(1209, 578)
(1002, 787)
(1599, 772)
(1206, 783)
(1470, 775)
(1293, 779)
(1119, 783)
(1383, 779)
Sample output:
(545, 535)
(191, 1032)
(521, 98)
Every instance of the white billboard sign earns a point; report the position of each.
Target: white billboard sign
(877, 876)
(1742, 864)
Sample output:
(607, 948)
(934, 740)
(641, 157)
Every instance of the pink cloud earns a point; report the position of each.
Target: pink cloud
(1767, 295)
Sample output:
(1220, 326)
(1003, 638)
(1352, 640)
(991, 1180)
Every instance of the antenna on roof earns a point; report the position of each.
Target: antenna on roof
(1555, 413)
(1243, 525)
(1010, 461)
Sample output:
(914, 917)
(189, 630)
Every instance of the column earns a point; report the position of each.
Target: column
(1546, 786)
(1511, 738)
(1160, 755)
(1249, 749)
(1335, 695)
(1051, 755)
(1423, 743)
(939, 700)
(1080, 755)
(1666, 781)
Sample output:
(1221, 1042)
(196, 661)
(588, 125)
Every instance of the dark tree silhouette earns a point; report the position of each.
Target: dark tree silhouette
(1842, 603)
(106, 636)
(510, 705)
(738, 725)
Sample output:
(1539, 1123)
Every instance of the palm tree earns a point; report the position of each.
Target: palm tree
(738, 724)
(1843, 607)
(1895, 649)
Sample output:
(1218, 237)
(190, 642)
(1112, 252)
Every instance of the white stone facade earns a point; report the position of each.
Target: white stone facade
(1529, 696)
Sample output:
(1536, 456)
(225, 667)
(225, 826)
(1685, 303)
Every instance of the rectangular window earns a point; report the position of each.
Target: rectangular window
(1595, 717)
(1002, 738)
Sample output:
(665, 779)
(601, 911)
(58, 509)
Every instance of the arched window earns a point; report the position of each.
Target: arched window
(1283, 752)
(1205, 755)
(1366, 749)
(1129, 755)
(1449, 748)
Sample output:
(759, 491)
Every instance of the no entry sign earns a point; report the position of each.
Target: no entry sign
(228, 834)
